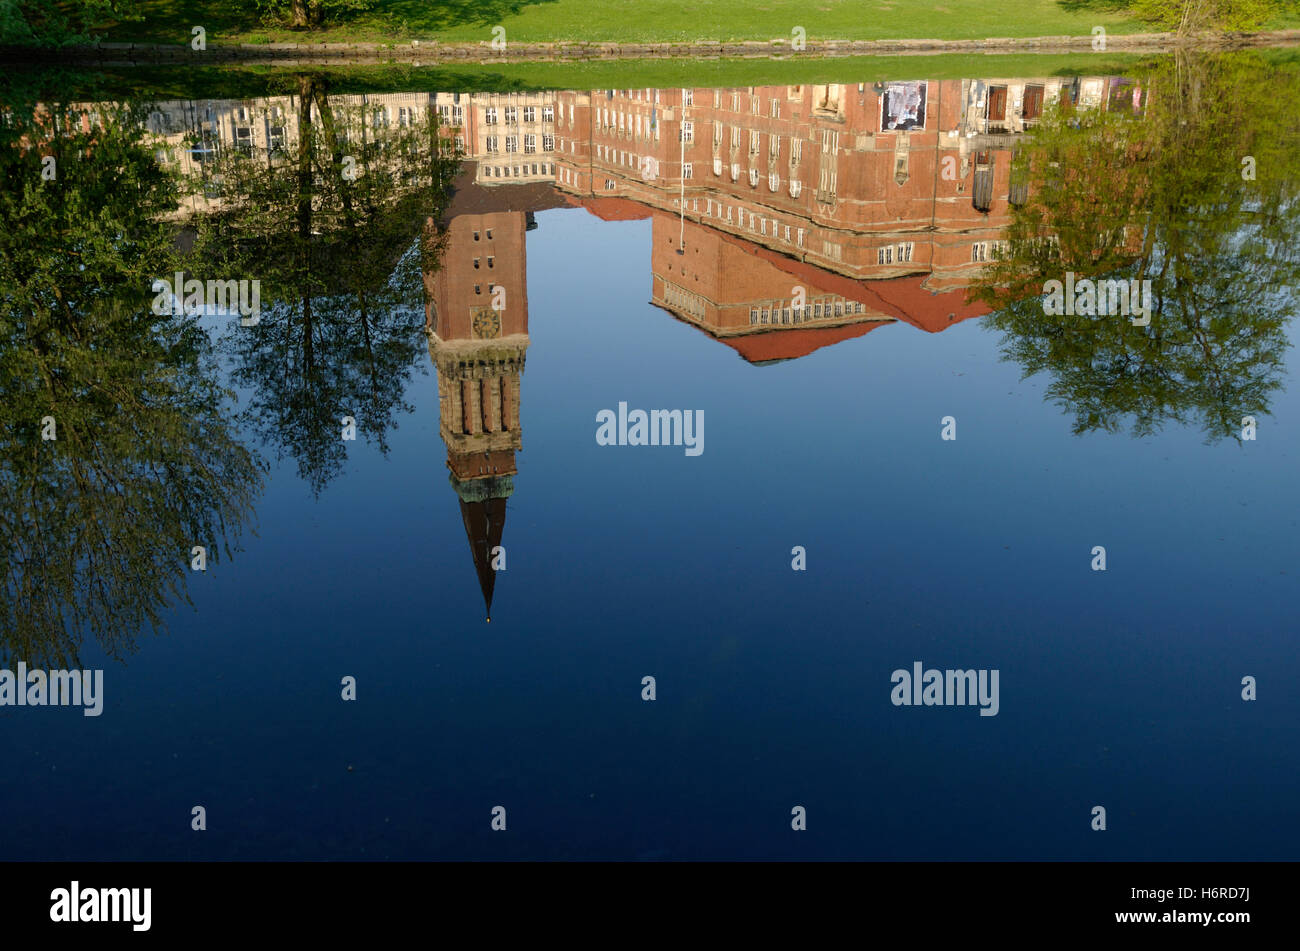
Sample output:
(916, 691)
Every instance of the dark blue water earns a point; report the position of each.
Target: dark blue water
(1119, 688)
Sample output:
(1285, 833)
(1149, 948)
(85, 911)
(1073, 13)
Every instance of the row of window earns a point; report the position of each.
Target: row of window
(517, 171)
(512, 143)
(381, 114)
(683, 300)
(688, 99)
(641, 126)
(757, 223)
(617, 156)
(755, 104)
(756, 143)
(773, 178)
(986, 250)
(895, 253)
(687, 134)
(380, 117)
(782, 313)
(649, 165)
(649, 95)
(825, 95)
(244, 132)
(511, 113)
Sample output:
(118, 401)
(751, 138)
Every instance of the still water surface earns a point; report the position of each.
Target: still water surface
(822, 332)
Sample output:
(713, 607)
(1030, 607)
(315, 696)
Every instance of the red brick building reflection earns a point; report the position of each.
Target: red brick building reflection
(812, 207)
(477, 322)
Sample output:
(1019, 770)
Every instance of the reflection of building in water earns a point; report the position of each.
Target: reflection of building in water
(510, 135)
(192, 134)
(477, 322)
(723, 284)
(905, 186)
(195, 131)
(863, 202)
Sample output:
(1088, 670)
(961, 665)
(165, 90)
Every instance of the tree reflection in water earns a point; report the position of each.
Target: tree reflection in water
(97, 524)
(1166, 195)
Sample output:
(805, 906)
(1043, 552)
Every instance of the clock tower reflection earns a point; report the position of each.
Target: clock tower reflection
(476, 318)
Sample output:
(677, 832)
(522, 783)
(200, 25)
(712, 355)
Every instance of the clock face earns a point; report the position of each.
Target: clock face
(486, 323)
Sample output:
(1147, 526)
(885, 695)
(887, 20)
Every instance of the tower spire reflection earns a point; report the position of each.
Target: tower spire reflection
(476, 319)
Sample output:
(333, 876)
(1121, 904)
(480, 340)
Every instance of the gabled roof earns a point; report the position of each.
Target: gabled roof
(777, 345)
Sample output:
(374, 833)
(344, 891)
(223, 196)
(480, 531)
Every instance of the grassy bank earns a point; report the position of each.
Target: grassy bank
(235, 82)
(640, 21)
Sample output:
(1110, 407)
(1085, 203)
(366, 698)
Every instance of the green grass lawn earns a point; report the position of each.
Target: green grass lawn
(251, 81)
(641, 21)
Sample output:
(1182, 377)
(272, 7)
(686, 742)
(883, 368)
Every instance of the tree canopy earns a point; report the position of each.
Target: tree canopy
(1194, 16)
(1195, 195)
(335, 229)
(98, 522)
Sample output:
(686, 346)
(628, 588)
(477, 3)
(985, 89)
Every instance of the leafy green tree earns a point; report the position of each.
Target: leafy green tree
(333, 227)
(1195, 16)
(58, 22)
(97, 524)
(1196, 196)
(311, 14)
